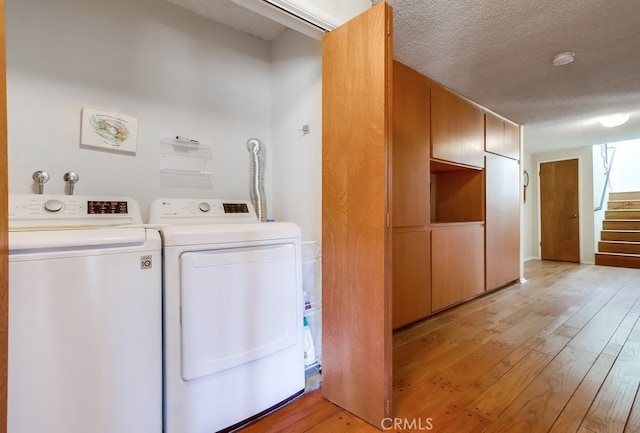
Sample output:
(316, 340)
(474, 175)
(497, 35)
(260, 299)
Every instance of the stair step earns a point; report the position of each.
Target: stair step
(619, 247)
(630, 195)
(621, 225)
(623, 204)
(619, 260)
(620, 235)
(622, 214)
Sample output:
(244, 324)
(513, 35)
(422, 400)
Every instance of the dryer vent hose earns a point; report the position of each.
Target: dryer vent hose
(257, 157)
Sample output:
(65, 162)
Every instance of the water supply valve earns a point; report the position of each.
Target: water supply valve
(40, 177)
(71, 178)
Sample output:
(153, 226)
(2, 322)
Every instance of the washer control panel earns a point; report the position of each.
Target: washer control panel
(200, 211)
(51, 211)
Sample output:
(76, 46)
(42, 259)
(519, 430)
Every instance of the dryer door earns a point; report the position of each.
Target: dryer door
(238, 305)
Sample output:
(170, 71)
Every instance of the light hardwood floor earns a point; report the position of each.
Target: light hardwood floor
(559, 353)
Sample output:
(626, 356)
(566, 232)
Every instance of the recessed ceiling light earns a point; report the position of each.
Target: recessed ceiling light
(614, 120)
(565, 58)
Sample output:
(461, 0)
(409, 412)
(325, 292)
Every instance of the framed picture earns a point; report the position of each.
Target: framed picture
(108, 131)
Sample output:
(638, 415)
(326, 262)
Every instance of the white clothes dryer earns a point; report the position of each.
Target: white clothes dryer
(85, 330)
(233, 305)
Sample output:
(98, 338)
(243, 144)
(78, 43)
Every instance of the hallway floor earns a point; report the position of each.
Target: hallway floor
(559, 353)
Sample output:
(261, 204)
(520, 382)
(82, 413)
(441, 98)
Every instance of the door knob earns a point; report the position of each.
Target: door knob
(574, 216)
(71, 178)
(40, 177)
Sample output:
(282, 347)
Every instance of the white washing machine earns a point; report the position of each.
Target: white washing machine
(233, 306)
(85, 317)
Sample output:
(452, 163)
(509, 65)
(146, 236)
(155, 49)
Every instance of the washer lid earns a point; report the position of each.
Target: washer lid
(46, 240)
(177, 235)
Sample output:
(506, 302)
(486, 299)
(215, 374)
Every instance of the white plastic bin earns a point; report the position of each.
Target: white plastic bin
(312, 286)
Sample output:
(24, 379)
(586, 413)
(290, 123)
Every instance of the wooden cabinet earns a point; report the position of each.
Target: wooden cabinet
(411, 240)
(379, 152)
(457, 263)
(502, 137)
(457, 129)
(502, 221)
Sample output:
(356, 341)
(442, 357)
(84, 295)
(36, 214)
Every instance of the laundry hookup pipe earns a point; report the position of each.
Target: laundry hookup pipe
(258, 154)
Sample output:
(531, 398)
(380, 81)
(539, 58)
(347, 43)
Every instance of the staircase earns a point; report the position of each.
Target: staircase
(620, 236)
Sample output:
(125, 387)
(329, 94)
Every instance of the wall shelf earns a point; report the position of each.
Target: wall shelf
(185, 163)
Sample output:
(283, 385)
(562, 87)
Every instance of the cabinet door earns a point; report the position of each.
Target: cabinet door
(457, 129)
(356, 269)
(457, 263)
(502, 220)
(411, 276)
(472, 134)
(445, 140)
(411, 103)
(512, 140)
(502, 137)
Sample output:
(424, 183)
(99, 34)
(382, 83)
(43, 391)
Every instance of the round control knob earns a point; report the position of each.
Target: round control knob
(204, 207)
(53, 206)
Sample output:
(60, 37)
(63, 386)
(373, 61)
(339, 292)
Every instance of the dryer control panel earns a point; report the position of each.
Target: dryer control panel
(201, 211)
(38, 211)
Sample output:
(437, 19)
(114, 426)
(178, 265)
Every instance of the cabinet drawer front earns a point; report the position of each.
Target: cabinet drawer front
(457, 263)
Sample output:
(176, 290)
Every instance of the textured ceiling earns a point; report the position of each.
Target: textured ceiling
(498, 53)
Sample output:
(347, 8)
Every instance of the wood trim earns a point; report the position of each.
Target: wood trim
(4, 235)
(356, 238)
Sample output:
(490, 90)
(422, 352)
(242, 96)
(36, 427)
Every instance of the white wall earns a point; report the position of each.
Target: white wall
(624, 175)
(175, 72)
(586, 194)
(297, 101)
(599, 177)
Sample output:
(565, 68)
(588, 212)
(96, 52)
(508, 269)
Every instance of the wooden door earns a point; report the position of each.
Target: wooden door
(502, 226)
(356, 246)
(4, 236)
(559, 211)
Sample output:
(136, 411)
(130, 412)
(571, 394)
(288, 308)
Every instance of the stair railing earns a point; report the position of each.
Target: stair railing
(607, 174)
